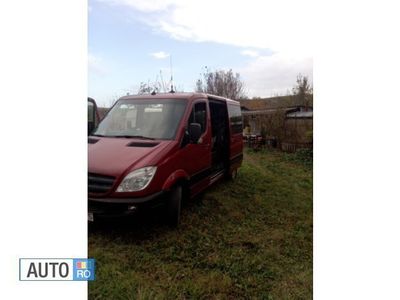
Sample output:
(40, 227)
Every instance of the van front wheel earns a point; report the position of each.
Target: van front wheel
(174, 202)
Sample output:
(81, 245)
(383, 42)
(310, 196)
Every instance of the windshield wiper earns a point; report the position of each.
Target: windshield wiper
(133, 136)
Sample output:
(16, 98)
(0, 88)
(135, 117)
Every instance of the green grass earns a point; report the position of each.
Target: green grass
(251, 238)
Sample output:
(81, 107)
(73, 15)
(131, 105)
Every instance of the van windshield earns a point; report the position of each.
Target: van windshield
(147, 119)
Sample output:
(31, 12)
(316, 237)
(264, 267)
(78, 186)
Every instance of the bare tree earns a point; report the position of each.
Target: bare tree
(221, 83)
(303, 91)
(113, 99)
(147, 88)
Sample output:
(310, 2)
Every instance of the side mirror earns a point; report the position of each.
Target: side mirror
(194, 132)
(90, 127)
(93, 116)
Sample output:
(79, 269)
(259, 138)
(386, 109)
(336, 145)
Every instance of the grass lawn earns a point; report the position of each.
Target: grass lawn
(251, 238)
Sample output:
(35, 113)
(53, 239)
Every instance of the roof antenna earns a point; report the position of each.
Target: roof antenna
(162, 82)
(172, 80)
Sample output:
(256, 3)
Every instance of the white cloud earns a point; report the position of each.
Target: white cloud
(143, 5)
(284, 25)
(283, 28)
(159, 55)
(274, 75)
(250, 53)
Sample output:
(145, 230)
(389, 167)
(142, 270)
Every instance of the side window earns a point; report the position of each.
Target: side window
(199, 115)
(235, 117)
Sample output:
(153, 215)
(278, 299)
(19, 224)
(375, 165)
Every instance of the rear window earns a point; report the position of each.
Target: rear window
(235, 117)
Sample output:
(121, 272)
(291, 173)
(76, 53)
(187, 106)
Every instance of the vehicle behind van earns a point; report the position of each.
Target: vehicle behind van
(158, 149)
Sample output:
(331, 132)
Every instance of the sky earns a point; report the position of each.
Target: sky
(132, 41)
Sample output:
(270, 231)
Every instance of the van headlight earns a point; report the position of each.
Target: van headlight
(137, 180)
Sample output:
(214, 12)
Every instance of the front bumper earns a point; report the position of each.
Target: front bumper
(119, 207)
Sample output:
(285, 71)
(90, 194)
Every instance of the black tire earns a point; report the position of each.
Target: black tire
(174, 203)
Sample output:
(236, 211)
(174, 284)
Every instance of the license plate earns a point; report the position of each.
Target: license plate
(90, 217)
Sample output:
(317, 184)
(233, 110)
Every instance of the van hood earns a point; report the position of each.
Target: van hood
(113, 156)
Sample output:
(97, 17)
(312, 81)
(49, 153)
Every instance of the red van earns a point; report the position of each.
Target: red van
(158, 149)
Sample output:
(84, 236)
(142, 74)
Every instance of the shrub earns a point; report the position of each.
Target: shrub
(303, 156)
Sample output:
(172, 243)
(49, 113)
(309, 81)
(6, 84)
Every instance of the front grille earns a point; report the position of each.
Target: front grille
(99, 184)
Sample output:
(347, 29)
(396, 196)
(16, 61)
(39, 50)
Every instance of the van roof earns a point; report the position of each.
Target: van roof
(179, 96)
